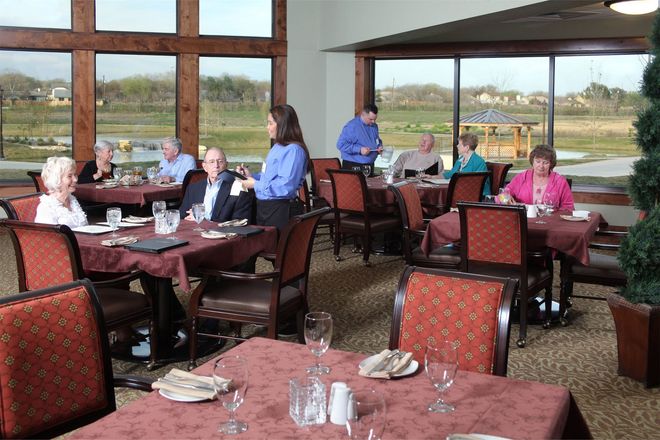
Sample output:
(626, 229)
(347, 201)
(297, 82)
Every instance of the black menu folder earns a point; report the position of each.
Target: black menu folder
(155, 245)
(244, 231)
(432, 170)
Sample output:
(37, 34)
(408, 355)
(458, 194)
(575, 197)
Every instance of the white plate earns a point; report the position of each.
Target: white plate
(410, 369)
(570, 218)
(92, 229)
(179, 397)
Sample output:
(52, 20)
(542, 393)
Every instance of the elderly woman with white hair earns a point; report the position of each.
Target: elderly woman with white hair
(59, 206)
(101, 167)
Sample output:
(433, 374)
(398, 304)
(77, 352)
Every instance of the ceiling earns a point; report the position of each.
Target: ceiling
(550, 20)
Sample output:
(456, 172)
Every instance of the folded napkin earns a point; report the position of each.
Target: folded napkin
(187, 384)
(136, 219)
(453, 209)
(120, 241)
(107, 185)
(213, 235)
(241, 222)
(375, 369)
(163, 184)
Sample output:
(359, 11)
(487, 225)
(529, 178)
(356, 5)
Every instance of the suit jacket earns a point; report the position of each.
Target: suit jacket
(226, 207)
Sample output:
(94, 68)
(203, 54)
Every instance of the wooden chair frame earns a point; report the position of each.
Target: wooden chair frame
(455, 181)
(7, 203)
(498, 175)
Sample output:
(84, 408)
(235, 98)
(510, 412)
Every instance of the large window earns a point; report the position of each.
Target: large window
(247, 18)
(36, 13)
(136, 16)
(135, 105)
(415, 97)
(235, 95)
(36, 108)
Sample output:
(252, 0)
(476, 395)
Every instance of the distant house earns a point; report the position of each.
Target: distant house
(60, 96)
(37, 95)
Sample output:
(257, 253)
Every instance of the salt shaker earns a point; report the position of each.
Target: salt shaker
(338, 404)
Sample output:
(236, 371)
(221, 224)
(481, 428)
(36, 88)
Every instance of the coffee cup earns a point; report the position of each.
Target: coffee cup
(338, 404)
(531, 211)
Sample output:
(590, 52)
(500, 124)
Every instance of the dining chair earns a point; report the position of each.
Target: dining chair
(471, 311)
(352, 214)
(48, 255)
(465, 187)
(23, 207)
(192, 176)
(37, 181)
(414, 228)
(498, 172)
(56, 374)
(494, 242)
(262, 298)
(319, 170)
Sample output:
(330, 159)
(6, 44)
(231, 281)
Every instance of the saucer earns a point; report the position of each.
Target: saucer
(571, 218)
(410, 369)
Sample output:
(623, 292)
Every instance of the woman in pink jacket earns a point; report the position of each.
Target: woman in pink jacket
(540, 184)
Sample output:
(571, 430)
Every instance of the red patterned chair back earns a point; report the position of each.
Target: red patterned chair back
(493, 234)
(410, 205)
(38, 181)
(294, 250)
(349, 191)
(55, 373)
(472, 311)
(22, 207)
(320, 169)
(465, 187)
(46, 255)
(498, 175)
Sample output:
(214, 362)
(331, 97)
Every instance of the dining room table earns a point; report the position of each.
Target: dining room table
(180, 262)
(432, 193)
(570, 237)
(484, 404)
(138, 195)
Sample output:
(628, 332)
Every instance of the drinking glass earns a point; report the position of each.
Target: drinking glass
(173, 218)
(158, 208)
(137, 171)
(366, 170)
(542, 210)
(152, 172)
(549, 203)
(198, 212)
(113, 217)
(231, 394)
(387, 154)
(117, 173)
(366, 413)
(441, 364)
(419, 173)
(318, 334)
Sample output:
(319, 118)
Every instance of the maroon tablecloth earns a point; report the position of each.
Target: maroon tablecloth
(130, 195)
(380, 197)
(571, 238)
(484, 404)
(218, 254)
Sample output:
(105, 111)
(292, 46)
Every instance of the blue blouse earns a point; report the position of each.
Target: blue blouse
(286, 167)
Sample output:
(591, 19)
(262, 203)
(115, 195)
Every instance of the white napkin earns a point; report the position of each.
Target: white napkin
(136, 219)
(188, 384)
(214, 235)
(237, 222)
(120, 241)
(392, 368)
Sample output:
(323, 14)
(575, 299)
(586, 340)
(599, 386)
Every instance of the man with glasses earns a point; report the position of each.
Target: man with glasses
(175, 164)
(223, 198)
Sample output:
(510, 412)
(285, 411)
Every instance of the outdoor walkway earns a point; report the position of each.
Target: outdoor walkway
(619, 166)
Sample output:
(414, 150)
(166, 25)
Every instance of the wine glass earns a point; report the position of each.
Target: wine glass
(198, 212)
(158, 208)
(366, 170)
(318, 334)
(117, 173)
(365, 418)
(113, 217)
(441, 364)
(542, 210)
(173, 218)
(230, 380)
(549, 203)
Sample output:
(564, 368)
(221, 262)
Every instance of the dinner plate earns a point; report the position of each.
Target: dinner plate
(92, 229)
(571, 218)
(179, 397)
(410, 369)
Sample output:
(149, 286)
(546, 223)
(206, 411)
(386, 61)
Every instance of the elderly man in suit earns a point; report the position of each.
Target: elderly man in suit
(223, 199)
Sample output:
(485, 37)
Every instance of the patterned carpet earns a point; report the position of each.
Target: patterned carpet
(581, 356)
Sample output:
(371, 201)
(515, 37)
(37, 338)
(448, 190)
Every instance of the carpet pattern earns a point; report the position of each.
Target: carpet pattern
(581, 356)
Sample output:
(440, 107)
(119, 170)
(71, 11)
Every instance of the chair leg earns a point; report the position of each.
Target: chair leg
(337, 244)
(522, 336)
(563, 302)
(192, 362)
(548, 307)
(366, 248)
(153, 345)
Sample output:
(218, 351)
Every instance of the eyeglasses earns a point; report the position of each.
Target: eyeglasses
(212, 161)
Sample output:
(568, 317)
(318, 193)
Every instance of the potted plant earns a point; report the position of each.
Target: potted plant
(636, 309)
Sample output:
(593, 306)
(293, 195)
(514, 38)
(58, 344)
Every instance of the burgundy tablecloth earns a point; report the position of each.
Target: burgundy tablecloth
(380, 197)
(218, 254)
(571, 238)
(484, 404)
(130, 195)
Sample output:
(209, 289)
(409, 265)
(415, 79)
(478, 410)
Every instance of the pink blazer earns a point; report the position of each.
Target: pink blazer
(521, 188)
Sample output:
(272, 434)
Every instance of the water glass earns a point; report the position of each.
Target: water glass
(117, 173)
(113, 217)
(318, 334)
(441, 365)
(387, 153)
(366, 170)
(231, 394)
(307, 401)
(419, 173)
(198, 211)
(152, 172)
(173, 218)
(549, 203)
(366, 414)
(158, 208)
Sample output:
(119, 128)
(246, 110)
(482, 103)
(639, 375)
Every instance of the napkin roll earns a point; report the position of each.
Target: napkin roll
(393, 368)
(181, 382)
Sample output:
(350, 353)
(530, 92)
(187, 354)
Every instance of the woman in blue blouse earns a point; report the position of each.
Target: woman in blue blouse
(468, 160)
(276, 187)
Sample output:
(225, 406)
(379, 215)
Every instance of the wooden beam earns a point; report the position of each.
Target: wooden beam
(279, 81)
(187, 18)
(83, 16)
(187, 109)
(279, 23)
(84, 104)
(364, 83)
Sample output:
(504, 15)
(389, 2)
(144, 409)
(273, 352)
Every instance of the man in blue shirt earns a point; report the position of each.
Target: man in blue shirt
(359, 141)
(175, 164)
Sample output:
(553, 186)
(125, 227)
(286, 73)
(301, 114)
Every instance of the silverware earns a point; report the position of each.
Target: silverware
(390, 364)
(380, 366)
(187, 384)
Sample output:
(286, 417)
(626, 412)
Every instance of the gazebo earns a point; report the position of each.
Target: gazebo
(491, 119)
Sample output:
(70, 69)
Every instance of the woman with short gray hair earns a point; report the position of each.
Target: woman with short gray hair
(59, 206)
(101, 167)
